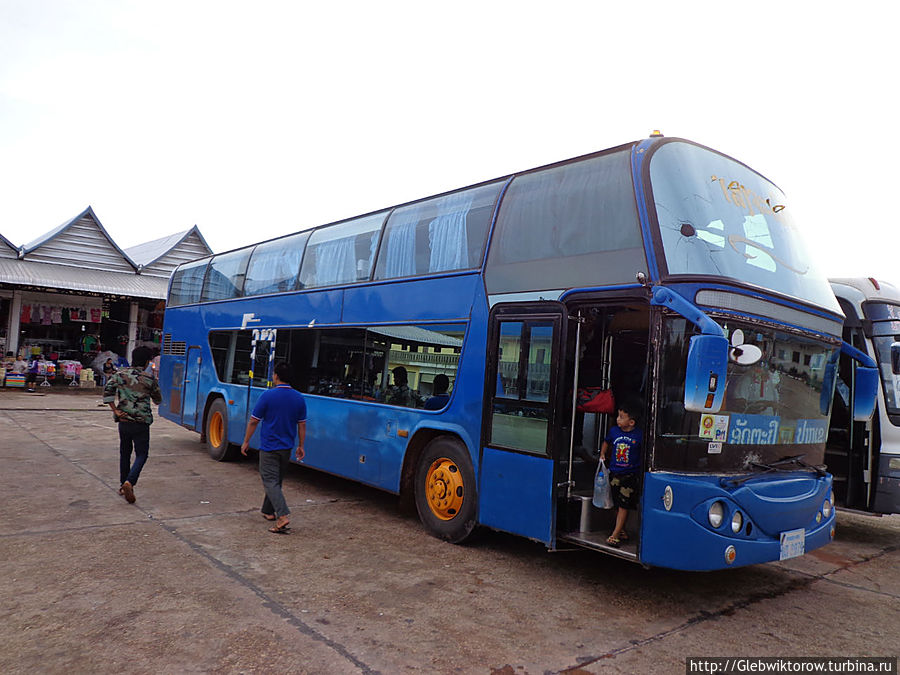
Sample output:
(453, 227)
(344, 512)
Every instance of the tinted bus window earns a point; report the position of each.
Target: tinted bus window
(187, 282)
(520, 412)
(567, 226)
(221, 344)
(438, 235)
(275, 265)
(341, 254)
(374, 364)
(240, 373)
(225, 278)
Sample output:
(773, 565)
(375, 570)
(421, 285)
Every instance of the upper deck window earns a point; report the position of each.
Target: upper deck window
(275, 265)
(342, 254)
(225, 278)
(187, 282)
(568, 226)
(438, 235)
(717, 217)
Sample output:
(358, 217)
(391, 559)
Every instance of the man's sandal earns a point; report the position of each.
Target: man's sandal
(613, 541)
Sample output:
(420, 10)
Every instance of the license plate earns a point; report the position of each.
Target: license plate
(793, 543)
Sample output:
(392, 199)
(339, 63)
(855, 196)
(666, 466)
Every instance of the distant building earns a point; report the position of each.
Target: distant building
(73, 291)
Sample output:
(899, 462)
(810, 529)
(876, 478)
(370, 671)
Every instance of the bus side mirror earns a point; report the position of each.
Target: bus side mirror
(707, 368)
(866, 391)
(895, 358)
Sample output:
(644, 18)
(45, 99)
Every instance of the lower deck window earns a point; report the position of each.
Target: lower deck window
(412, 366)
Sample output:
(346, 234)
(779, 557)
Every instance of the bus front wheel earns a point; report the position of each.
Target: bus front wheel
(217, 433)
(445, 490)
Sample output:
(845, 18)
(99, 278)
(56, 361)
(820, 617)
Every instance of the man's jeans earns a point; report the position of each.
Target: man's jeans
(272, 465)
(137, 436)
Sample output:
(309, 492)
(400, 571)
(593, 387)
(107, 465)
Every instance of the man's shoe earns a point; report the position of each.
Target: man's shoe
(128, 490)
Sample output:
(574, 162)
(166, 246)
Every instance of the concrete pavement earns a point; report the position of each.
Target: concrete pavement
(188, 579)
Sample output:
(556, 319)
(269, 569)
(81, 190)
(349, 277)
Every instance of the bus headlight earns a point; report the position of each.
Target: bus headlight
(737, 522)
(826, 509)
(668, 497)
(716, 514)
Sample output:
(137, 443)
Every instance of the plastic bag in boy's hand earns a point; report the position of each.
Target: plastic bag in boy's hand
(602, 497)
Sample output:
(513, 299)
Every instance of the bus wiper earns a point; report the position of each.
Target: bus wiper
(798, 460)
(772, 467)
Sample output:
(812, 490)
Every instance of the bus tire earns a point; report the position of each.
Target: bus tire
(445, 490)
(217, 433)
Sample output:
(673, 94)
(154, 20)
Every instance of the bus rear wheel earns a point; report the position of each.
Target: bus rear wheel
(445, 490)
(217, 433)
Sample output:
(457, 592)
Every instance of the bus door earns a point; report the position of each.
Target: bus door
(262, 358)
(517, 489)
(191, 388)
(849, 447)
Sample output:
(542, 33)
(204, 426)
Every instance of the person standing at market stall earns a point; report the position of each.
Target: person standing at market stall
(282, 411)
(33, 371)
(134, 389)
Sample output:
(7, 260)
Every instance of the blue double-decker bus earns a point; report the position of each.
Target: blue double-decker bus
(450, 350)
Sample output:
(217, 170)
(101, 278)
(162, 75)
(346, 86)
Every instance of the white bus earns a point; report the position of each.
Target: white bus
(864, 457)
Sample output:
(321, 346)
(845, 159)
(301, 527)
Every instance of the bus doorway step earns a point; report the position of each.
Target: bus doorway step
(597, 542)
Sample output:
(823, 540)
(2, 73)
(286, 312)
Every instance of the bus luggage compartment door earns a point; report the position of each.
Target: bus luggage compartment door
(191, 387)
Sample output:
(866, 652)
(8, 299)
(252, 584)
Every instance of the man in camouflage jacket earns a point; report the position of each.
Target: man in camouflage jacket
(135, 389)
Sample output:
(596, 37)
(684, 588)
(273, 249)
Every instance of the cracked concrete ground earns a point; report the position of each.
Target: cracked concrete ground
(188, 580)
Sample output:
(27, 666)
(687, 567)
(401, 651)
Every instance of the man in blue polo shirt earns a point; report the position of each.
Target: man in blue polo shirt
(282, 411)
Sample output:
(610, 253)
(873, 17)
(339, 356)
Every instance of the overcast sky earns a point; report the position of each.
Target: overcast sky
(253, 120)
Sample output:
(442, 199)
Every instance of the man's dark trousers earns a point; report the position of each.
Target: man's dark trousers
(272, 465)
(136, 436)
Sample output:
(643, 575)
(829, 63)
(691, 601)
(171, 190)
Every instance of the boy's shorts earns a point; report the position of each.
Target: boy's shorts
(625, 488)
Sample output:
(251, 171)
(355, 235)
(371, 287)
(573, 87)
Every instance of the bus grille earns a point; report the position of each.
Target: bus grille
(173, 348)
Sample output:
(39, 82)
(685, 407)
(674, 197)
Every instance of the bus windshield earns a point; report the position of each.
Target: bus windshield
(717, 217)
(885, 320)
(773, 408)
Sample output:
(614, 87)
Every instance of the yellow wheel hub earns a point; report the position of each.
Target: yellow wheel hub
(216, 429)
(444, 488)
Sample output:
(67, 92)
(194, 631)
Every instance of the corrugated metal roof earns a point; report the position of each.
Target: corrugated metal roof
(417, 334)
(66, 277)
(7, 250)
(80, 241)
(161, 256)
(149, 251)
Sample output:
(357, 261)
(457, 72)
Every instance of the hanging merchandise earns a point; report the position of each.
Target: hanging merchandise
(56, 315)
(95, 315)
(25, 316)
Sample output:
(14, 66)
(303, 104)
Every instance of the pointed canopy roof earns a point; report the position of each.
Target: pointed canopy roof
(81, 241)
(7, 250)
(161, 256)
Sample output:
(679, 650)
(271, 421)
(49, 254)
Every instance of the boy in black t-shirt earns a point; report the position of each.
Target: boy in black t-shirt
(625, 439)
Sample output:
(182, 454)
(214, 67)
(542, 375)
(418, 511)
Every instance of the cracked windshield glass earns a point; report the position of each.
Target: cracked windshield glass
(717, 217)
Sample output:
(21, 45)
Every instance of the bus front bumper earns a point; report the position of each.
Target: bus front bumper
(772, 518)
